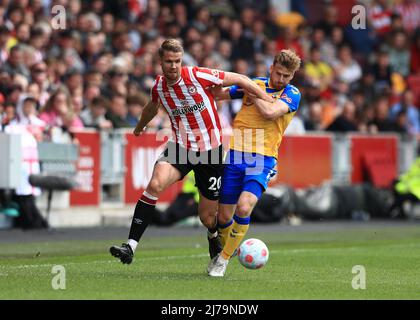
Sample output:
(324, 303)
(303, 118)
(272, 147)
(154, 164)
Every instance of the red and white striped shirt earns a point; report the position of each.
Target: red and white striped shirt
(380, 19)
(191, 107)
(410, 14)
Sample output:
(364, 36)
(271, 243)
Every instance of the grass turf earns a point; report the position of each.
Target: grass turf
(302, 265)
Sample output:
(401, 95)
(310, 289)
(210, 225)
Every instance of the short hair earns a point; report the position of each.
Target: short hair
(288, 59)
(172, 45)
(100, 101)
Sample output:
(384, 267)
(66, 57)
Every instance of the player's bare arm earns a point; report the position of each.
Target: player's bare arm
(270, 110)
(220, 93)
(149, 112)
(247, 84)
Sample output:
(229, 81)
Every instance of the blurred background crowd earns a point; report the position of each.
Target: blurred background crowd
(97, 72)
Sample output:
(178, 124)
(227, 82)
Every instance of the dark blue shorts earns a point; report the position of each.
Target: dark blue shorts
(245, 172)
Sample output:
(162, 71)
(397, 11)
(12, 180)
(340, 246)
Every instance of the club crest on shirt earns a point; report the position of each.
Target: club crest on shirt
(191, 89)
(215, 73)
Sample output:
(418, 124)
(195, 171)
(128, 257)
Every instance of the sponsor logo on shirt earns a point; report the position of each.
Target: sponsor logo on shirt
(286, 97)
(188, 109)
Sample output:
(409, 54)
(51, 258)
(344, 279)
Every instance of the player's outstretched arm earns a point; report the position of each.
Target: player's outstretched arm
(149, 112)
(270, 110)
(247, 84)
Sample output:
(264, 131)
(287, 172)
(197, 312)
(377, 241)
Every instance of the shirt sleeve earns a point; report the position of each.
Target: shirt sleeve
(235, 92)
(291, 96)
(209, 77)
(153, 92)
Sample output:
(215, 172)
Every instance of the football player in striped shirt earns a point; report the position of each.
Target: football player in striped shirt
(195, 144)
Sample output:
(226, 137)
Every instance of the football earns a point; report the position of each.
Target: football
(253, 254)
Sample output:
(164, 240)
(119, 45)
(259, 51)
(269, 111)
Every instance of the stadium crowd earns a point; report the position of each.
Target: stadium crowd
(98, 70)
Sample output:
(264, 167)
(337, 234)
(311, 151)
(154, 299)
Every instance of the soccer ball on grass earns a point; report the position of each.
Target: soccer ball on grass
(253, 254)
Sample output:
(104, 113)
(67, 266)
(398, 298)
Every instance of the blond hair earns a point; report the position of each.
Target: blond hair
(170, 45)
(288, 59)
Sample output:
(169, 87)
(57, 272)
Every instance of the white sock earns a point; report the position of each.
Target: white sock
(133, 244)
(211, 235)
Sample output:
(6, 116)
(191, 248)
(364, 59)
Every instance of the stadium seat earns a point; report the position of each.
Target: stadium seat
(380, 168)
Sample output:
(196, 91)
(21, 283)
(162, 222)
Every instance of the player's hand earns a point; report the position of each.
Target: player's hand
(138, 131)
(217, 92)
(250, 95)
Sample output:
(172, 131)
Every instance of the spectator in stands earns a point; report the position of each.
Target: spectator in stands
(9, 114)
(288, 40)
(410, 111)
(318, 72)
(4, 41)
(346, 121)
(27, 116)
(39, 77)
(381, 72)
(13, 93)
(77, 101)
(224, 54)
(401, 122)
(15, 63)
(399, 54)
(117, 81)
(117, 112)
(58, 106)
(109, 47)
(313, 122)
(318, 39)
(329, 20)
(346, 67)
(94, 115)
(135, 106)
(92, 48)
(331, 45)
(90, 92)
(360, 103)
(381, 121)
(23, 32)
(379, 14)
(73, 80)
(242, 46)
(410, 13)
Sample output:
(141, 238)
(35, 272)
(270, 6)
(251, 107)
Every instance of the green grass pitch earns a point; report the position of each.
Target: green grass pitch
(302, 265)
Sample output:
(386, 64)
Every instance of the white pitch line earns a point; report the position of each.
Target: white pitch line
(203, 255)
(28, 266)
